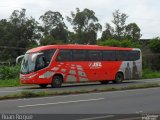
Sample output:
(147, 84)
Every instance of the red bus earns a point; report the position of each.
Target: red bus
(57, 64)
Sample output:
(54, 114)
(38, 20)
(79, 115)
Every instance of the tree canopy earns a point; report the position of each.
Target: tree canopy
(154, 45)
(120, 30)
(85, 25)
(20, 32)
(53, 26)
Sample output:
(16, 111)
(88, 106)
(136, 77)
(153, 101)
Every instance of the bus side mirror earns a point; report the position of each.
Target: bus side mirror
(19, 57)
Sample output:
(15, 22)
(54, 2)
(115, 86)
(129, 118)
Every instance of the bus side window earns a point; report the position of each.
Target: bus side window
(134, 55)
(122, 55)
(64, 55)
(94, 55)
(109, 55)
(79, 55)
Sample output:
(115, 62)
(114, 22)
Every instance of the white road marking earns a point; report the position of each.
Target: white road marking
(51, 97)
(96, 118)
(56, 103)
(133, 118)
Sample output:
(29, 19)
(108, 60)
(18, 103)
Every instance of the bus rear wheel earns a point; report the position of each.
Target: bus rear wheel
(119, 78)
(57, 81)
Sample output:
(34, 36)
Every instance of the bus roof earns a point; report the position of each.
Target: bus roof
(77, 46)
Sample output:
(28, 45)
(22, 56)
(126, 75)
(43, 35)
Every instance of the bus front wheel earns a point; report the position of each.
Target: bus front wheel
(57, 81)
(118, 78)
(104, 82)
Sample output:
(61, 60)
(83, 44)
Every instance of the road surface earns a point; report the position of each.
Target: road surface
(76, 87)
(98, 106)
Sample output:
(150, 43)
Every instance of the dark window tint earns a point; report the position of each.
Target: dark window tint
(41, 62)
(48, 54)
(79, 55)
(122, 55)
(94, 55)
(64, 55)
(134, 55)
(109, 55)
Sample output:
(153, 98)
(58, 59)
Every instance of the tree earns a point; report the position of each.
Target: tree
(121, 31)
(154, 45)
(119, 20)
(85, 25)
(54, 26)
(133, 31)
(108, 33)
(25, 29)
(18, 34)
(47, 40)
(6, 39)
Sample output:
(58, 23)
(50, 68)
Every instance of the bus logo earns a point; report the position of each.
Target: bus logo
(95, 65)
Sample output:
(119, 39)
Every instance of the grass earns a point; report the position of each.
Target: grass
(10, 82)
(29, 94)
(148, 73)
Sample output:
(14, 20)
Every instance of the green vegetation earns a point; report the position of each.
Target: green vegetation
(25, 32)
(123, 43)
(85, 25)
(29, 94)
(9, 76)
(154, 45)
(148, 73)
(9, 72)
(10, 82)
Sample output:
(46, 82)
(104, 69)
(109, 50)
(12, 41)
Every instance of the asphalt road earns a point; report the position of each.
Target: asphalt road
(76, 87)
(93, 106)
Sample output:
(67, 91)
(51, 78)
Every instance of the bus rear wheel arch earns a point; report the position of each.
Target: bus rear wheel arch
(119, 77)
(57, 81)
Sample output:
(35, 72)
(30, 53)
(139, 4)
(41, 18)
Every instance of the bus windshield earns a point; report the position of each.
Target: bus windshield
(36, 61)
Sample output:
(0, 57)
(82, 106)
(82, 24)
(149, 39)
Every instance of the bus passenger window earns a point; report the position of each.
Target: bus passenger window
(122, 55)
(64, 55)
(95, 55)
(109, 55)
(79, 55)
(134, 55)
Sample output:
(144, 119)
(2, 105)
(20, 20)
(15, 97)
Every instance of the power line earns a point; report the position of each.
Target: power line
(16, 48)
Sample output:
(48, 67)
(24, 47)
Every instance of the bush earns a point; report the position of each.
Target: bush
(114, 43)
(154, 45)
(9, 72)
(120, 43)
(148, 73)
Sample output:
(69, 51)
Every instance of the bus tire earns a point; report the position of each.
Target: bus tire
(57, 81)
(43, 85)
(104, 82)
(118, 78)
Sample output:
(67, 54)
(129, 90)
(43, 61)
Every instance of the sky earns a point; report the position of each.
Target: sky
(145, 13)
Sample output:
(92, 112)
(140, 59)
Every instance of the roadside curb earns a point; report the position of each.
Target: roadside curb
(32, 94)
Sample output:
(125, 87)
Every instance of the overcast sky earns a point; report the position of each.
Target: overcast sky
(146, 13)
